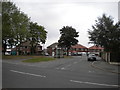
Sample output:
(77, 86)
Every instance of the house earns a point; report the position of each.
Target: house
(96, 50)
(55, 51)
(78, 49)
(51, 49)
(25, 49)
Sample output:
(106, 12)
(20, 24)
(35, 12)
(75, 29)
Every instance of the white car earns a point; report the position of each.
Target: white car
(91, 57)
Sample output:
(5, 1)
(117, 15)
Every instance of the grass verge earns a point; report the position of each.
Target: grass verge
(14, 57)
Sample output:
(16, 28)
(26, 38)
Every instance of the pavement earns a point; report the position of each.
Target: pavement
(105, 66)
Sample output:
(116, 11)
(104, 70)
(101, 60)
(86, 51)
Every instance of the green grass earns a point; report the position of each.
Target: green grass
(15, 57)
(40, 59)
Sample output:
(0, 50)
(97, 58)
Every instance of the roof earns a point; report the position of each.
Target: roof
(78, 46)
(96, 47)
(53, 45)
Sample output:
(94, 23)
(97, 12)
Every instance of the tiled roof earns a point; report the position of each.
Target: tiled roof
(96, 47)
(53, 45)
(78, 46)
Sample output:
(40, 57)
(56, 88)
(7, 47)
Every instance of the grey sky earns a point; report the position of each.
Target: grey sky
(54, 14)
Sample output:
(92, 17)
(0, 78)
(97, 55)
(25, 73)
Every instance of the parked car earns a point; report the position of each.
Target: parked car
(91, 57)
(46, 54)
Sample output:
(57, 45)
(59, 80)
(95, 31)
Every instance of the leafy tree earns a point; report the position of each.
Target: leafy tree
(17, 28)
(106, 34)
(15, 25)
(20, 24)
(68, 37)
(37, 35)
(8, 8)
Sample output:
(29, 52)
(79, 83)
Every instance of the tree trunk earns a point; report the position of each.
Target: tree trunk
(32, 49)
(67, 51)
(4, 47)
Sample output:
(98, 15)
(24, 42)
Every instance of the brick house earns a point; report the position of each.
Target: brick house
(96, 50)
(78, 49)
(51, 49)
(25, 49)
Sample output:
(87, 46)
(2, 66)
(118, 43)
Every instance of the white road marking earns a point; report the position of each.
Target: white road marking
(94, 83)
(90, 71)
(27, 73)
(75, 62)
(62, 68)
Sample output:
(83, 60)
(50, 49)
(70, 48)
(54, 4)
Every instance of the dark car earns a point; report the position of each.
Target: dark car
(91, 57)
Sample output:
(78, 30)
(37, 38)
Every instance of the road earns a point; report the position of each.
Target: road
(73, 72)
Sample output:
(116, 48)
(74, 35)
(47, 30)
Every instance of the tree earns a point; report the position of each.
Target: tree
(17, 28)
(37, 35)
(20, 24)
(8, 8)
(68, 37)
(106, 34)
(15, 25)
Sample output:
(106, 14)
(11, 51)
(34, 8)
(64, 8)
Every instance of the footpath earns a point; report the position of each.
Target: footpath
(109, 67)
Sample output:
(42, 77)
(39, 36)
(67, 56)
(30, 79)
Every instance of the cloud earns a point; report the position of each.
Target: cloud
(54, 14)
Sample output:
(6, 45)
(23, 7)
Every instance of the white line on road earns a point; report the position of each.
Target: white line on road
(94, 83)
(75, 62)
(62, 68)
(27, 73)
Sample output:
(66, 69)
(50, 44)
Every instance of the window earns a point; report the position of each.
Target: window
(81, 49)
(75, 49)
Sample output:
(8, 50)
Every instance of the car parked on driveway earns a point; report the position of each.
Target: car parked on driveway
(91, 57)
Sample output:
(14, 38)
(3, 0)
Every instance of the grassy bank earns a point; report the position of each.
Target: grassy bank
(15, 57)
(30, 58)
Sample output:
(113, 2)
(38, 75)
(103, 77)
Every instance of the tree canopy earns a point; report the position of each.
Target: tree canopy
(106, 34)
(37, 34)
(68, 37)
(17, 28)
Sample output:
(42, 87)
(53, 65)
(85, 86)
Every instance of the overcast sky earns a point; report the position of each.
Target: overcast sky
(80, 14)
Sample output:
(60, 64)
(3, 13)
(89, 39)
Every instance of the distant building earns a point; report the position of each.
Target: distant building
(25, 49)
(51, 49)
(96, 50)
(78, 49)
(54, 50)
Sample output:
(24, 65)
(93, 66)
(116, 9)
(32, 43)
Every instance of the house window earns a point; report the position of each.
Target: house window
(20, 48)
(75, 49)
(81, 49)
(53, 48)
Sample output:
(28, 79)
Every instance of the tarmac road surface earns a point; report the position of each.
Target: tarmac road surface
(74, 72)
